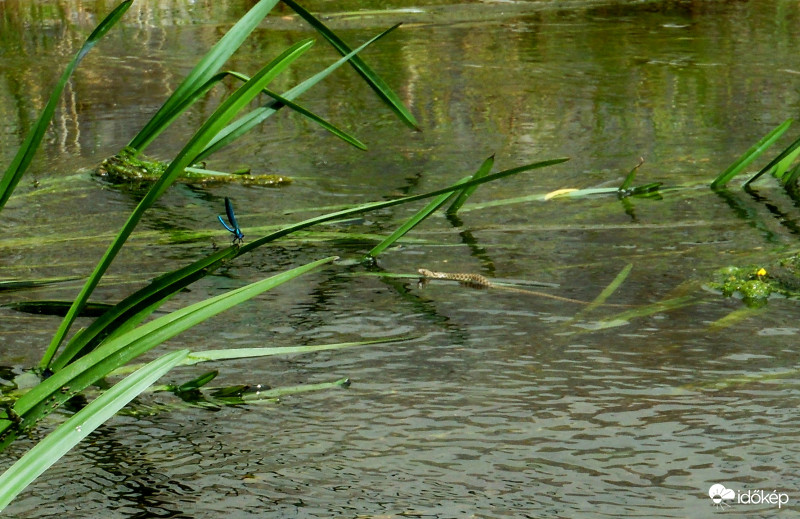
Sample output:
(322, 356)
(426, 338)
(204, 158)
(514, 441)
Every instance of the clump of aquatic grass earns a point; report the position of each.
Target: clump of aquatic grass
(106, 348)
(117, 337)
(782, 166)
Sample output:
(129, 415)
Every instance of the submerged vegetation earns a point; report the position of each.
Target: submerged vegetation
(125, 168)
(121, 333)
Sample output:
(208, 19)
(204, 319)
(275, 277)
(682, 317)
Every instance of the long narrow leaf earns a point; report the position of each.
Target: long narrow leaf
(201, 73)
(412, 222)
(140, 304)
(467, 192)
(373, 80)
(24, 156)
(610, 289)
(788, 152)
(50, 449)
(110, 355)
(197, 357)
(380, 205)
(221, 117)
(750, 155)
(250, 120)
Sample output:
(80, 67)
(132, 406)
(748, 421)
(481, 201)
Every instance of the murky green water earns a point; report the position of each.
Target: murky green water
(502, 404)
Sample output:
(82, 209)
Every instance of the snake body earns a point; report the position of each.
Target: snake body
(472, 279)
(478, 281)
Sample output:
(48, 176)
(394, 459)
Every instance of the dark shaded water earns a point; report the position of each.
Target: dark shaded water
(503, 404)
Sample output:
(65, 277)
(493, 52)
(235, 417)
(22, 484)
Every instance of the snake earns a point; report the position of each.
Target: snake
(478, 281)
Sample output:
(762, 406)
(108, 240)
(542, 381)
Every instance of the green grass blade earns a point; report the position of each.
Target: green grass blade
(24, 156)
(110, 355)
(218, 120)
(50, 449)
(785, 164)
(249, 398)
(137, 306)
(610, 289)
(623, 318)
(201, 73)
(380, 205)
(628, 182)
(750, 155)
(789, 153)
(330, 127)
(467, 192)
(250, 120)
(196, 357)
(373, 80)
(412, 222)
(243, 353)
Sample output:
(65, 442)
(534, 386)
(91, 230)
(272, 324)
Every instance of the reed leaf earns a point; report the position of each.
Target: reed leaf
(467, 192)
(205, 70)
(26, 152)
(783, 169)
(628, 182)
(750, 155)
(278, 102)
(373, 206)
(197, 357)
(412, 222)
(375, 82)
(623, 318)
(221, 117)
(50, 449)
(788, 154)
(134, 308)
(247, 122)
(112, 354)
(610, 289)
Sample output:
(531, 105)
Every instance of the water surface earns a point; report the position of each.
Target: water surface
(502, 404)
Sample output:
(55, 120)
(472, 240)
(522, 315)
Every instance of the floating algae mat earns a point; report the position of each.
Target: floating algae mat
(125, 167)
(756, 283)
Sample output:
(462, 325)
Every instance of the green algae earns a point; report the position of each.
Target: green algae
(756, 283)
(126, 168)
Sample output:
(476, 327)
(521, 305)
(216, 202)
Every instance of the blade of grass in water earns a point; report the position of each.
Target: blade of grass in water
(788, 153)
(467, 192)
(197, 357)
(380, 205)
(216, 122)
(205, 69)
(628, 182)
(24, 156)
(742, 380)
(50, 449)
(750, 155)
(112, 354)
(374, 80)
(134, 308)
(412, 222)
(610, 289)
(735, 317)
(623, 318)
(245, 123)
(280, 101)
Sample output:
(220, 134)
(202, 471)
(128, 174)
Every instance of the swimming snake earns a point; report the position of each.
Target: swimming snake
(478, 281)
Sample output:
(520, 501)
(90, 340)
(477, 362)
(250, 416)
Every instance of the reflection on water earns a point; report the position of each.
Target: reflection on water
(502, 404)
